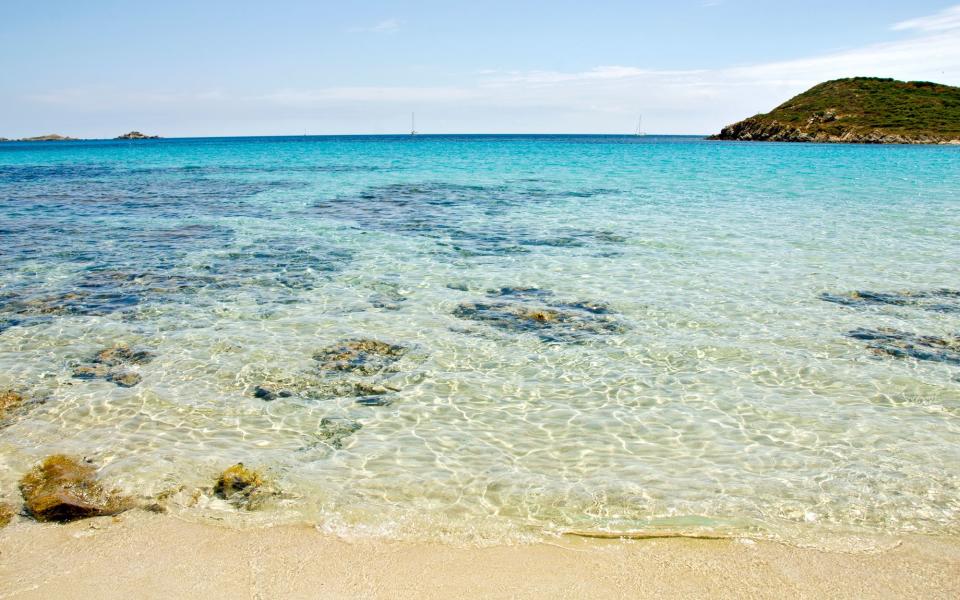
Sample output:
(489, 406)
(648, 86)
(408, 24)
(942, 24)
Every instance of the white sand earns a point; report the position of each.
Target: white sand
(142, 555)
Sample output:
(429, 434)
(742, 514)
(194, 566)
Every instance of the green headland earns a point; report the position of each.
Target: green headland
(859, 110)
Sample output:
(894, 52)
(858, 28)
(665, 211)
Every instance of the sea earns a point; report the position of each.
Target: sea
(493, 339)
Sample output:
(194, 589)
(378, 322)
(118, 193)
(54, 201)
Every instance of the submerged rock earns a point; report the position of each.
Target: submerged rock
(269, 394)
(520, 293)
(365, 357)
(64, 489)
(238, 484)
(334, 431)
(110, 364)
(465, 220)
(74, 301)
(124, 378)
(550, 323)
(903, 344)
(362, 388)
(355, 369)
(9, 401)
(939, 300)
(91, 371)
(374, 401)
(122, 354)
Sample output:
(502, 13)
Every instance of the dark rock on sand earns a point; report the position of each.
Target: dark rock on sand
(64, 489)
(365, 357)
(269, 394)
(903, 344)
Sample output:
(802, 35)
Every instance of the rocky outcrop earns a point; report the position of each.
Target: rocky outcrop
(136, 135)
(64, 489)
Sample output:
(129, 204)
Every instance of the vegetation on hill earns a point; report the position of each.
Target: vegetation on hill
(859, 109)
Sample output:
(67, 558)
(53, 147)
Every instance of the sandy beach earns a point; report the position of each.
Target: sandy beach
(143, 555)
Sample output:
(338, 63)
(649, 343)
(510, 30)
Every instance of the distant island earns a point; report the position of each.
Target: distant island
(864, 110)
(53, 137)
(50, 137)
(136, 135)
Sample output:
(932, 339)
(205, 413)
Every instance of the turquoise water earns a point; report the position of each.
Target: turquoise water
(590, 333)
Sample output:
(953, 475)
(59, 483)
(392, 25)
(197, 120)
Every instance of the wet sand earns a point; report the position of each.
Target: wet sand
(142, 555)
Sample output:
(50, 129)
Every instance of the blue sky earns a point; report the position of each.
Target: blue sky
(99, 68)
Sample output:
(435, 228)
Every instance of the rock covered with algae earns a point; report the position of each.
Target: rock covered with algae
(7, 512)
(63, 489)
(241, 486)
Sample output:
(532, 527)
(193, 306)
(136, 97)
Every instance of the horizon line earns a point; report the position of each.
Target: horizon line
(303, 135)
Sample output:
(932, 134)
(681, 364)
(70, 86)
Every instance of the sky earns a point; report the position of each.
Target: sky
(99, 68)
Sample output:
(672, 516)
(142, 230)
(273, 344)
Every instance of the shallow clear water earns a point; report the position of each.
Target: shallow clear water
(599, 333)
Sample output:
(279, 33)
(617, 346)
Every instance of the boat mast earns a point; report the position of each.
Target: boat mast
(413, 124)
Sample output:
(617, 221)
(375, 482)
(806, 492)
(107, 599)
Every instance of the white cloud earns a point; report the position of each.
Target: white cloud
(385, 26)
(945, 20)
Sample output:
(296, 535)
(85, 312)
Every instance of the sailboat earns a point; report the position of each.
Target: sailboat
(413, 124)
(640, 130)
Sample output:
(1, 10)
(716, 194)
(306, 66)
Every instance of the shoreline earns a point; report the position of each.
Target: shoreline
(147, 555)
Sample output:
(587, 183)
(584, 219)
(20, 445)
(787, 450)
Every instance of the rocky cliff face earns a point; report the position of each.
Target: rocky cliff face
(761, 130)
